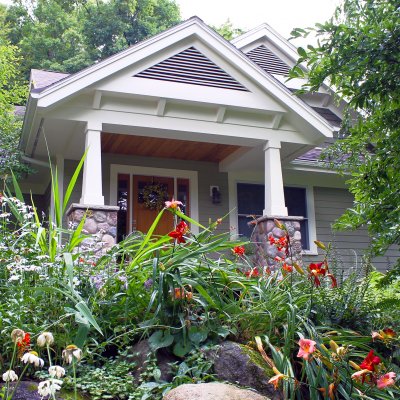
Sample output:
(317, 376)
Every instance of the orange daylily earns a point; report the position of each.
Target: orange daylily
(181, 294)
(275, 380)
(253, 272)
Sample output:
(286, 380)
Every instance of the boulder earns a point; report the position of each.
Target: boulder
(242, 365)
(211, 391)
(140, 354)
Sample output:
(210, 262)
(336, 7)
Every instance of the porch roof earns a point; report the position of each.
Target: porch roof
(165, 148)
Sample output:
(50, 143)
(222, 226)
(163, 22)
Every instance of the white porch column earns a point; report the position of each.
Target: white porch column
(92, 188)
(274, 195)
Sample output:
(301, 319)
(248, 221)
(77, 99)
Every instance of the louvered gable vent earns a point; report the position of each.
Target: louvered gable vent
(268, 61)
(192, 67)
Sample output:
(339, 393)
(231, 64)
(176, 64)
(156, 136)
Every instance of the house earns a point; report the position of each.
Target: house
(190, 115)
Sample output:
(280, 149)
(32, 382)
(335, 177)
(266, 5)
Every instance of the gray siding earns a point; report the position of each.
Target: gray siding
(349, 246)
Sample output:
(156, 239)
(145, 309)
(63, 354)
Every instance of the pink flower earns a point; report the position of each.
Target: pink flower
(386, 380)
(174, 204)
(307, 347)
(360, 376)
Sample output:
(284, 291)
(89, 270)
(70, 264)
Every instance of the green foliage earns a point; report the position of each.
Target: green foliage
(41, 277)
(185, 295)
(12, 92)
(68, 36)
(227, 30)
(358, 55)
(352, 305)
(113, 380)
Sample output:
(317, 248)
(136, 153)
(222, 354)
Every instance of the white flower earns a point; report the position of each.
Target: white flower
(57, 371)
(46, 338)
(49, 387)
(10, 375)
(70, 352)
(32, 358)
(75, 281)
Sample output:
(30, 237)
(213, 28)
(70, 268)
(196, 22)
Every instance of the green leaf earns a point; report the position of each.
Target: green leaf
(17, 189)
(160, 339)
(198, 334)
(181, 349)
(84, 310)
(72, 182)
(302, 52)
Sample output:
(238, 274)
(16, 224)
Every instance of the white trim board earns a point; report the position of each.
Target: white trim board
(116, 169)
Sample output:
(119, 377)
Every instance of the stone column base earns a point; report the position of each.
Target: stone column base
(101, 222)
(264, 227)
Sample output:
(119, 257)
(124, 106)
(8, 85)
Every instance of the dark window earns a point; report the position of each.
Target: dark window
(251, 204)
(123, 203)
(295, 200)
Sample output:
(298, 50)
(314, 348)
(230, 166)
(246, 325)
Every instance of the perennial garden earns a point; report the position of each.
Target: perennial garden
(151, 313)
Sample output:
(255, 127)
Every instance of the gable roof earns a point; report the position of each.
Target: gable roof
(50, 88)
(41, 79)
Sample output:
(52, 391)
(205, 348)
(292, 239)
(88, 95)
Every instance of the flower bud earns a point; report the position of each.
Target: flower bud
(320, 244)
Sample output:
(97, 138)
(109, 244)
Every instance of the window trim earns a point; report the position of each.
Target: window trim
(310, 204)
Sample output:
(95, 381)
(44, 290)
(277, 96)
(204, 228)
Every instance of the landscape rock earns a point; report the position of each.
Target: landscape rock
(242, 365)
(211, 391)
(140, 353)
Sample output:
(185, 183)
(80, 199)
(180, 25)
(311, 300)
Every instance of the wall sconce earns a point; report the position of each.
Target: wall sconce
(215, 194)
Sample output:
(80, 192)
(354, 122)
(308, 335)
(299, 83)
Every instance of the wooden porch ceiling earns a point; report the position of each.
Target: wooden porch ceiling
(165, 148)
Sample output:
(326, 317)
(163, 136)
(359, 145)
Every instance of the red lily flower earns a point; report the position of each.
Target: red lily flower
(239, 251)
(287, 268)
(271, 240)
(24, 344)
(317, 270)
(180, 230)
(253, 272)
(370, 361)
(389, 333)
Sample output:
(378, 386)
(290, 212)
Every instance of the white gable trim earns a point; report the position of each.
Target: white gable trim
(193, 28)
(276, 39)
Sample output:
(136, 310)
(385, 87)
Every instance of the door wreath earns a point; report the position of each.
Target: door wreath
(154, 196)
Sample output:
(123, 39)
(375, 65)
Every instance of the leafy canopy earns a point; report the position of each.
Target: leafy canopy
(66, 35)
(358, 54)
(12, 92)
